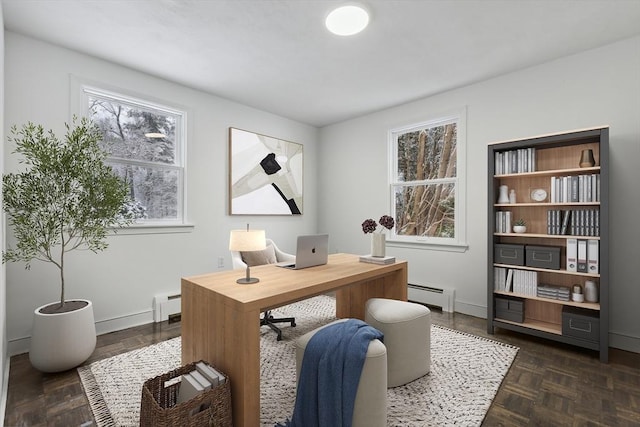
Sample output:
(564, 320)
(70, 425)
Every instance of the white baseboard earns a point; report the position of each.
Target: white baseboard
(624, 342)
(470, 309)
(124, 322)
(21, 345)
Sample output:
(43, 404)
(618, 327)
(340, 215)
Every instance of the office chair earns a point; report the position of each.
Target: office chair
(239, 262)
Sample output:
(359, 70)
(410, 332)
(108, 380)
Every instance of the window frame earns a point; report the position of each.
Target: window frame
(83, 90)
(459, 242)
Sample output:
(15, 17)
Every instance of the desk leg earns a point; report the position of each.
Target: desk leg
(351, 300)
(228, 339)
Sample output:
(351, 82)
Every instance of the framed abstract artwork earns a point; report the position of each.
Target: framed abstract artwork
(265, 175)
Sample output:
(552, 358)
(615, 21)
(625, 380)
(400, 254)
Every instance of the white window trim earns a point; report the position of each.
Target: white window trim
(459, 242)
(80, 88)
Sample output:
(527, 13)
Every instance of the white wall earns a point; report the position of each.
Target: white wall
(4, 360)
(598, 87)
(122, 281)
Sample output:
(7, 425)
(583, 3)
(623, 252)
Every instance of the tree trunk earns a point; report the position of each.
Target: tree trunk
(419, 190)
(436, 214)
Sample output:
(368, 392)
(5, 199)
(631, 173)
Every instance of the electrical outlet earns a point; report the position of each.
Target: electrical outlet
(221, 262)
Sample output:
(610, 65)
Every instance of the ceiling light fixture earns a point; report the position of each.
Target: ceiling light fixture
(347, 20)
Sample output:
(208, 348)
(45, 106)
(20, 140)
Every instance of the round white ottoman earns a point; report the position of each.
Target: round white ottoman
(370, 407)
(407, 335)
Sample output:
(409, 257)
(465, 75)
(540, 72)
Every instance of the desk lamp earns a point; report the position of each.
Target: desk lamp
(245, 241)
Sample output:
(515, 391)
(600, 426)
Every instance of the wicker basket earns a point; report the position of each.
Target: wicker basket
(159, 409)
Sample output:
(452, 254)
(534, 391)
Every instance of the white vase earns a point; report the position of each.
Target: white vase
(590, 291)
(504, 194)
(378, 244)
(62, 341)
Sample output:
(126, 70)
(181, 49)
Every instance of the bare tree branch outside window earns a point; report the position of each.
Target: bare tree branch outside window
(143, 145)
(425, 178)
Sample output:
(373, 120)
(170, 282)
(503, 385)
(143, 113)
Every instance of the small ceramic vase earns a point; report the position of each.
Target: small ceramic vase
(586, 159)
(504, 195)
(590, 291)
(378, 244)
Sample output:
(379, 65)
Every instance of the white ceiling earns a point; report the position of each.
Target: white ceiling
(277, 56)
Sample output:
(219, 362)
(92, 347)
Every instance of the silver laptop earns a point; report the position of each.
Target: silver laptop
(310, 251)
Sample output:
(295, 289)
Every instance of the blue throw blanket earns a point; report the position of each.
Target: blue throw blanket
(330, 373)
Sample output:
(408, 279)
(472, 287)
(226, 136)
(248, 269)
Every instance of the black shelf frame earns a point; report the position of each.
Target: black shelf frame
(596, 135)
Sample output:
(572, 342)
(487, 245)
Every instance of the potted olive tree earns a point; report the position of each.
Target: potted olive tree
(67, 198)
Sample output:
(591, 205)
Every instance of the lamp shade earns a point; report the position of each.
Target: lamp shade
(247, 240)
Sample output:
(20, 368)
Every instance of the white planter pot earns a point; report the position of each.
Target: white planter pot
(62, 341)
(519, 228)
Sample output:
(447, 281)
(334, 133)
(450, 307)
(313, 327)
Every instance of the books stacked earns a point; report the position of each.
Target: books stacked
(522, 282)
(515, 161)
(575, 189)
(561, 293)
(378, 260)
(503, 222)
(576, 222)
(203, 378)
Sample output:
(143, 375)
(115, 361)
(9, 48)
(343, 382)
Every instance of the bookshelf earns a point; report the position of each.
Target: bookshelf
(543, 257)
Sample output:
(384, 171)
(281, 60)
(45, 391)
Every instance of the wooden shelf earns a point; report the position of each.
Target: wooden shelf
(544, 204)
(546, 270)
(546, 236)
(551, 328)
(571, 171)
(586, 305)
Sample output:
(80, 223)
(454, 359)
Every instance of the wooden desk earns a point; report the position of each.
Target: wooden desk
(220, 318)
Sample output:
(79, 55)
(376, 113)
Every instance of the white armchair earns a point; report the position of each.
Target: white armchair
(270, 255)
(238, 262)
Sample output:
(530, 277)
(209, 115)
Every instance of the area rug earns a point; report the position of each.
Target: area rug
(466, 372)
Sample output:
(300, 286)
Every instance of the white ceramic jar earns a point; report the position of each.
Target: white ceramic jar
(590, 291)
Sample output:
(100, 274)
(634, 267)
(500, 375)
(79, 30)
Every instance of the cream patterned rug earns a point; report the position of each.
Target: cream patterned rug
(466, 372)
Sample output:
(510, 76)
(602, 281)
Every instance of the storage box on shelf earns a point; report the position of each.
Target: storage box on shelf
(565, 207)
(510, 308)
(508, 254)
(542, 256)
(581, 324)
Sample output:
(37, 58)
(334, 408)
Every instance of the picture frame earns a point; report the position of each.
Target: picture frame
(265, 174)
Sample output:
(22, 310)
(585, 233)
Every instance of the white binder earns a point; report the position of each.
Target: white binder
(593, 255)
(572, 254)
(582, 256)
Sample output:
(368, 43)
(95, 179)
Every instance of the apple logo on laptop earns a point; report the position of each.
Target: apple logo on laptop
(313, 250)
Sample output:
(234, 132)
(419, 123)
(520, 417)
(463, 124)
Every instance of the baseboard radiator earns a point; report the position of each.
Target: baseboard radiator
(432, 295)
(167, 307)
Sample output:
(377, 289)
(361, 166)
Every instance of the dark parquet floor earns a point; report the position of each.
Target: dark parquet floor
(549, 384)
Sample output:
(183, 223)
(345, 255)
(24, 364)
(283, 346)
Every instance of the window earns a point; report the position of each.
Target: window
(427, 189)
(145, 142)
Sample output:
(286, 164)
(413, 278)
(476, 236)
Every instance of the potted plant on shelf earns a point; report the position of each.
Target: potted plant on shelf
(520, 226)
(68, 198)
